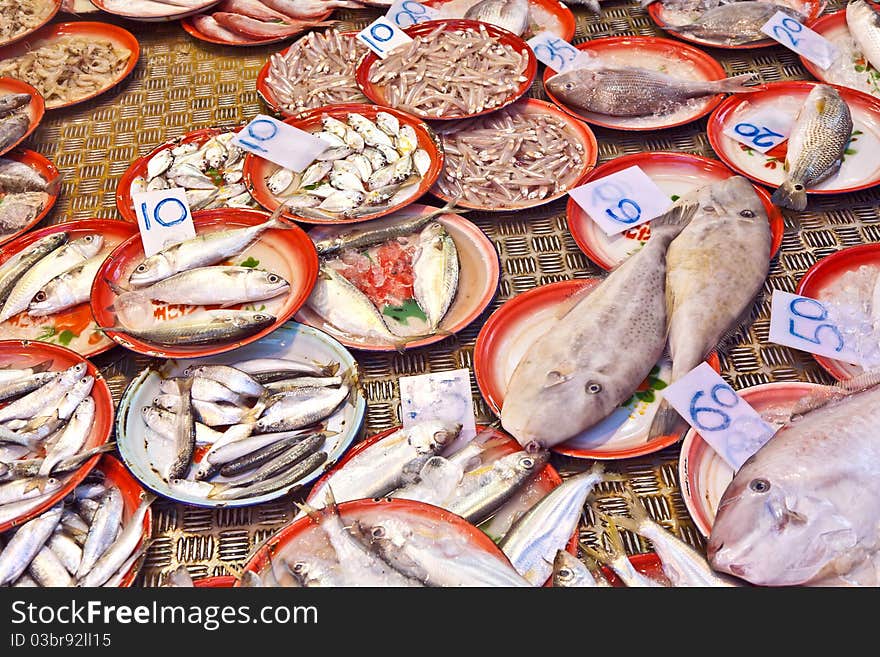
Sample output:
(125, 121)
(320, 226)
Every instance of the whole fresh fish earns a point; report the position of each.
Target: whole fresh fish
(206, 328)
(228, 452)
(304, 445)
(714, 270)
(821, 132)
(19, 210)
(532, 541)
(30, 405)
(48, 570)
(599, 350)
(26, 383)
(31, 467)
(11, 102)
(235, 379)
(121, 549)
(435, 271)
(54, 264)
(13, 510)
(70, 289)
(864, 26)
(183, 437)
(217, 285)
(303, 381)
(67, 550)
(16, 266)
(26, 489)
(632, 91)
(104, 526)
(571, 572)
(287, 459)
(302, 408)
(803, 509)
(13, 128)
(734, 24)
(72, 438)
(283, 480)
(511, 15)
(10, 374)
(17, 177)
(24, 545)
(266, 370)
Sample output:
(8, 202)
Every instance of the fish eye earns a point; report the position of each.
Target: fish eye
(564, 573)
(569, 86)
(40, 296)
(88, 238)
(759, 485)
(528, 462)
(594, 388)
(378, 532)
(747, 213)
(798, 187)
(141, 268)
(260, 317)
(299, 567)
(272, 278)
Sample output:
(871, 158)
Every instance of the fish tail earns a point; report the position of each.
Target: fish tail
(827, 394)
(54, 185)
(670, 224)
(791, 195)
(667, 422)
(637, 510)
(736, 84)
(616, 548)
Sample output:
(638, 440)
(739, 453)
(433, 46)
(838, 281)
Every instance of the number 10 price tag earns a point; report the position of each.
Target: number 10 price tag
(622, 200)
(804, 324)
(382, 36)
(795, 36)
(279, 143)
(163, 218)
(723, 419)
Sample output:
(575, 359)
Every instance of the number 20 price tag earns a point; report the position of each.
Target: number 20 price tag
(382, 36)
(163, 218)
(557, 53)
(804, 324)
(795, 36)
(723, 419)
(279, 143)
(406, 13)
(622, 200)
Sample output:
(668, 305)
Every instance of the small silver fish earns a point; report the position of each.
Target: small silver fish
(511, 15)
(736, 23)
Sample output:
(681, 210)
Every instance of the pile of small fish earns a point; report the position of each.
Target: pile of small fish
(23, 195)
(509, 159)
(185, 273)
(210, 172)
(368, 167)
(50, 275)
(272, 411)
(450, 73)
(68, 68)
(18, 17)
(255, 21)
(734, 23)
(14, 119)
(317, 70)
(84, 540)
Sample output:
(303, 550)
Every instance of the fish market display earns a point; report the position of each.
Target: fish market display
(451, 72)
(611, 553)
(369, 167)
(735, 23)
(24, 193)
(599, 350)
(18, 17)
(152, 9)
(803, 509)
(317, 70)
(14, 119)
(544, 159)
(209, 170)
(822, 130)
(511, 15)
(69, 68)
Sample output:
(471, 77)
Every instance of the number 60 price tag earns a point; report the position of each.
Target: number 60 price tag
(804, 324)
(622, 200)
(723, 419)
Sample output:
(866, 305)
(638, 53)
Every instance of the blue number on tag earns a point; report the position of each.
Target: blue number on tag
(379, 36)
(795, 307)
(614, 193)
(158, 217)
(413, 11)
(788, 28)
(724, 418)
(259, 136)
(761, 137)
(554, 49)
(629, 209)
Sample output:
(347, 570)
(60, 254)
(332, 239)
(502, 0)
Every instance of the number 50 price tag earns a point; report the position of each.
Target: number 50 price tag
(804, 324)
(723, 419)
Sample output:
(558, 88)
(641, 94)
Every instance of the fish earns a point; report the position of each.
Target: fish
(633, 91)
(67, 550)
(308, 9)
(183, 436)
(30, 405)
(599, 349)
(53, 264)
(532, 541)
(232, 450)
(27, 383)
(288, 385)
(218, 285)
(302, 408)
(283, 480)
(822, 129)
(206, 328)
(570, 572)
(436, 272)
(206, 24)
(18, 264)
(70, 289)
(266, 370)
(48, 570)
(12, 129)
(236, 380)
(102, 531)
(803, 509)
(615, 557)
(734, 24)
(18, 210)
(17, 177)
(511, 15)
(11, 102)
(25, 489)
(305, 444)
(72, 438)
(26, 543)
(864, 26)
(257, 29)
(715, 269)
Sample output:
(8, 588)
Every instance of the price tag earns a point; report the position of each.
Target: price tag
(163, 218)
(557, 53)
(382, 36)
(796, 36)
(723, 419)
(406, 13)
(622, 200)
(439, 396)
(761, 131)
(279, 143)
(804, 324)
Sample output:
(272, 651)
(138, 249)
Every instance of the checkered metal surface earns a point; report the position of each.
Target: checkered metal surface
(181, 84)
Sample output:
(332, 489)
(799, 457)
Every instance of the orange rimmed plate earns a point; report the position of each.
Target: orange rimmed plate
(544, 15)
(46, 169)
(216, 582)
(860, 168)
(654, 54)
(676, 174)
(477, 281)
(287, 252)
(73, 328)
(257, 170)
(190, 24)
(704, 475)
(374, 91)
(24, 353)
(88, 30)
(35, 109)
(509, 333)
(850, 69)
(51, 7)
(170, 16)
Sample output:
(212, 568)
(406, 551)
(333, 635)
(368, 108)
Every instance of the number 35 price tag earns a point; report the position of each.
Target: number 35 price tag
(622, 200)
(723, 419)
(795, 36)
(557, 53)
(804, 324)
(163, 218)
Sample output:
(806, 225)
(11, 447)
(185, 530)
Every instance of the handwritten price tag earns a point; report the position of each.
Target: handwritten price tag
(382, 36)
(439, 396)
(406, 13)
(280, 143)
(622, 200)
(796, 36)
(761, 131)
(723, 419)
(803, 323)
(557, 53)
(163, 218)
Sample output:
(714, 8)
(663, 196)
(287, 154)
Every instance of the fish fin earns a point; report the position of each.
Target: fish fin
(39, 367)
(736, 84)
(616, 549)
(820, 105)
(598, 555)
(330, 369)
(116, 288)
(40, 482)
(568, 305)
(749, 314)
(675, 219)
(637, 510)
(827, 394)
(790, 195)
(666, 422)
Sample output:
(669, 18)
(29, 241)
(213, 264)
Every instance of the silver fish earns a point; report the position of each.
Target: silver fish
(283, 480)
(288, 385)
(734, 24)
(511, 15)
(67, 550)
(48, 570)
(864, 26)
(25, 384)
(67, 290)
(204, 328)
(24, 545)
(229, 451)
(302, 408)
(615, 557)
(26, 489)
(17, 265)
(105, 524)
(435, 271)
(72, 438)
(17, 177)
(265, 370)
(257, 458)
(184, 434)
(570, 572)
(29, 405)
(121, 549)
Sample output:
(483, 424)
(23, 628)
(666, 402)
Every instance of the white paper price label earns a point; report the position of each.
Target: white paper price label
(804, 324)
(761, 131)
(622, 200)
(439, 396)
(382, 36)
(163, 218)
(723, 419)
(796, 36)
(279, 143)
(557, 53)
(406, 13)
